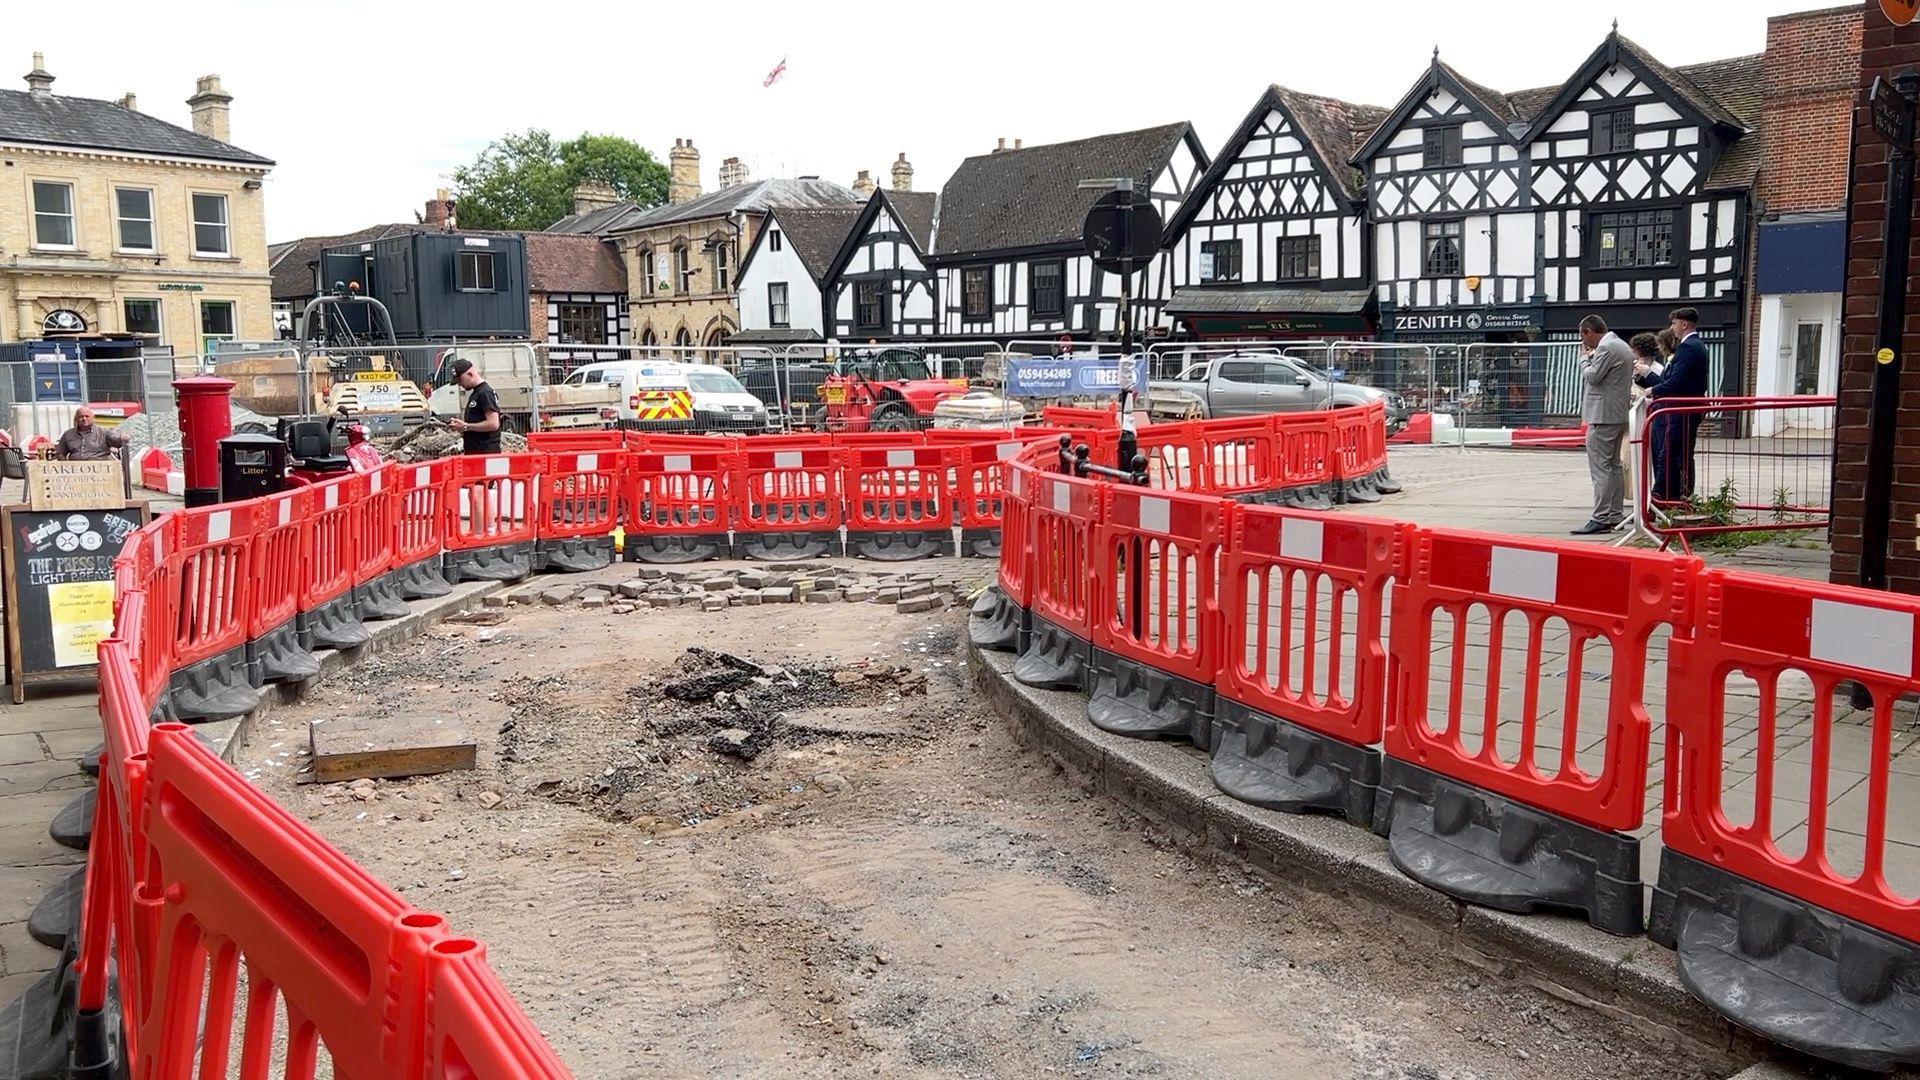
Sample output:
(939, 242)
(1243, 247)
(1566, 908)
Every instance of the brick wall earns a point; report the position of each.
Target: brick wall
(1885, 50)
(1812, 73)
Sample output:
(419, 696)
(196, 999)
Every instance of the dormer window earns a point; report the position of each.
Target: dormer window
(1610, 132)
(1440, 146)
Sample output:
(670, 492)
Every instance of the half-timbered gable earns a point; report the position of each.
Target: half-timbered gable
(1623, 166)
(1006, 241)
(1272, 240)
(784, 276)
(879, 285)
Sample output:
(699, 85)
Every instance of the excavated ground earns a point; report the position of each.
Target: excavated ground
(791, 841)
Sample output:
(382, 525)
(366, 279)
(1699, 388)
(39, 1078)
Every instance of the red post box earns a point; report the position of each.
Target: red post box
(206, 417)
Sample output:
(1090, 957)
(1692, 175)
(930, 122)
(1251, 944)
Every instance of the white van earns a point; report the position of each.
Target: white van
(720, 403)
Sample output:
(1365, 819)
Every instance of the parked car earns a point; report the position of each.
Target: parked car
(1253, 384)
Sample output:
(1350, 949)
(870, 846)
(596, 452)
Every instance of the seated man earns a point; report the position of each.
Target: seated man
(87, 441)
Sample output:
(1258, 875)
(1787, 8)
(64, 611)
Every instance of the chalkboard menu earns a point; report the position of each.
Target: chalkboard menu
(58, 566)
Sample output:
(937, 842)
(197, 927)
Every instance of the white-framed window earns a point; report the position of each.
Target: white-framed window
(133, 217)
(722, 266)
(647, 271)
(143, 317)
(216, 323)
(211, 230)
(682, 269)
(778, 314)
(53, 214)
(476, 271)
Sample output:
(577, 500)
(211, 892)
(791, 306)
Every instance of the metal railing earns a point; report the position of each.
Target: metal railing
(1695, 481)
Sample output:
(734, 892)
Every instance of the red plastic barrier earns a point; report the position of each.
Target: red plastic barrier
(1065, 513)
(897, 488)
(419, 516)
(1764, 628)
(978, 479)
(118, 847)
(477, 1028)
(211, 575)
(1303, 599)
(1352, 449)
(1610, 596)
(328, 559)
(574, 442)
(492, 500)
(1236, 456)
(686, 493)
(278, 563)
(1016, 527)
(787, 490)
(1157, 599)
(867, 440)
(376, 505)
(580, 494)
(1069, 416)
(1305, 448)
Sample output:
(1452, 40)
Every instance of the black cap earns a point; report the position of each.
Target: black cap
(461, 365)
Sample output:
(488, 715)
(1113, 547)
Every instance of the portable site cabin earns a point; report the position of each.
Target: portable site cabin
(439, 286)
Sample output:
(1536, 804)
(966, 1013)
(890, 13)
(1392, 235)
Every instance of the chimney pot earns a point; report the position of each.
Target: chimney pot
(1000, 145)
(1016, 144)
(683, 172)
(733, 172)
(590, 195)
(129, 102)
(40, 80)
(863, 184)
(902, 173)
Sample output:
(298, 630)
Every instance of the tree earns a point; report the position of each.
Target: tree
(525, 180)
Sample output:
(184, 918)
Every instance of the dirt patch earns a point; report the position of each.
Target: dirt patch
(872, 880)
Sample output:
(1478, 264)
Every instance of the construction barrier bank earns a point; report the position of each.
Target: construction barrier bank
(214, 927)
(1480, 701)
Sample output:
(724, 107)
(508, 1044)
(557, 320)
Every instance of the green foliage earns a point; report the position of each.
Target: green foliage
(1720, 508)
(525, 180)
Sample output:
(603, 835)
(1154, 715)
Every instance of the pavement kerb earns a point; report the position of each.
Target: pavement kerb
(1630, 978)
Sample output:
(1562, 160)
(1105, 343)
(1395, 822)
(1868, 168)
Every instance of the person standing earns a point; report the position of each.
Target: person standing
(479, 425)
(86, 440)
(1672, 434)
(1606, 371)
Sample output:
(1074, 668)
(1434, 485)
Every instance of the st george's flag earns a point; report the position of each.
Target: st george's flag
(773, 76)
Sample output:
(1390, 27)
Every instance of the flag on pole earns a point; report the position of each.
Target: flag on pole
(773, 76)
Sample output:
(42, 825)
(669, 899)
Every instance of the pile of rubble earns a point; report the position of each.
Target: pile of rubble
(434, 439)
(146, 430)
(716, 589)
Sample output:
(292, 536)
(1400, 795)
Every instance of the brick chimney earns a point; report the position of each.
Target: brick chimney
(440, 212)
(863, 184)
(902, 173)
(733, 172)
(591, 195)
(209, 104)
(40, 80)
(999, 145)
(129, 102)
(683, 172)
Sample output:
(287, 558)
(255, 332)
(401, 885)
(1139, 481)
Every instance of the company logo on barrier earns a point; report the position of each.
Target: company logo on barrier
(1063, 376)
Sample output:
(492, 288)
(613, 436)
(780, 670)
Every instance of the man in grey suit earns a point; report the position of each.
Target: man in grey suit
(1606, 372)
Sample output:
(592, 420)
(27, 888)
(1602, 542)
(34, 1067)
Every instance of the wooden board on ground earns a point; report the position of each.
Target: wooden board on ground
(353, 747)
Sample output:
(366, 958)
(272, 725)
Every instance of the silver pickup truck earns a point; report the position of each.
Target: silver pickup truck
(1255, 383)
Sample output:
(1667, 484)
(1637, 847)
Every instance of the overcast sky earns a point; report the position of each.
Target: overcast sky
(368, 106)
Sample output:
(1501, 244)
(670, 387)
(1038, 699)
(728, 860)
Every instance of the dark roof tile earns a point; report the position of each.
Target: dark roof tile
(816, 233)
(573, 263)
(915, 211)
(58, 120)
(1337, 129)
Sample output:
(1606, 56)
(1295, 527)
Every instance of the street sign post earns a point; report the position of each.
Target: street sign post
(1891, 106)
(1121, 236)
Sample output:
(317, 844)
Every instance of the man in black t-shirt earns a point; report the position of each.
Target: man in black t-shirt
(479, 427)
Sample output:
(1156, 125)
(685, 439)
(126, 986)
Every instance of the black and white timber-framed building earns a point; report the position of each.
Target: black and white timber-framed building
(785, 275)
(1273, 242)
(879, 286)
(1624, 192)
(1006, 239)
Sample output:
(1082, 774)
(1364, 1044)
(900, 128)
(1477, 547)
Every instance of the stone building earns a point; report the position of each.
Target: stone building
(682, 258)
(1886, 51)
(116, 222)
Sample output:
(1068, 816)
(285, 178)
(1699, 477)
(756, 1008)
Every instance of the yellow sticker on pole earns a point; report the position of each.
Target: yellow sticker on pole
(1884, 356)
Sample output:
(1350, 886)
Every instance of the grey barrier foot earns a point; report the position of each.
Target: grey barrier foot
(1315, 497)
(73, 825)
(996, 622)
(33, 1029)
(1125, 697)
(380, 599)
(1053, 659)
(424, 579)
(1384, 483)
(501, 562)
(900, 546)
(1265, 761)
(574, 555)
(1358, 490)
(676, 549)
(53, 919)
(1488, 850)
(217, 688)
(1798, 974)
(780, 546)
(980, 543)
(90, 761)
(278, 656)
(333, 625)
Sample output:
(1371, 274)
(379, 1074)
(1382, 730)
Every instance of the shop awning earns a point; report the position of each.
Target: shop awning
(1273, 310)
(773, 337)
